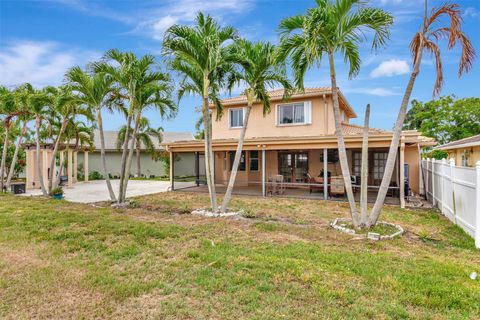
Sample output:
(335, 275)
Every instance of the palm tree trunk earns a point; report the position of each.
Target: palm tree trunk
(130, 156)
(342, 152)
(102, 155)
(51, 173)
(392, 153)
(39, 169)
(209, 159)
(364, 170)
(236, 161)
(124, 153)
(139, 169)
(4, 155)
(15, 154)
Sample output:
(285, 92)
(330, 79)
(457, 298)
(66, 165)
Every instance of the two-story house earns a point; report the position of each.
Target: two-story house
(292, 150)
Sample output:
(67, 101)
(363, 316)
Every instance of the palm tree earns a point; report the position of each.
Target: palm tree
(96, 91)
(201, 56)
(37, 102)
(134, 79)
(9, 109)
(258, 71)
(23, 118)
(144, 137)
(64, 106)
(426, 39)
(325, 30)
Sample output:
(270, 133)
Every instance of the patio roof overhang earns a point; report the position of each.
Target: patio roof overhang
(379, 140)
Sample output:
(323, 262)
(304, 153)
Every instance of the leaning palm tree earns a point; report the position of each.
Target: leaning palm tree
(9, 109)
(200, 53)
(426, 39)
(64, 106)
(37, 102)
(154, 92)
(96, 91)
(258, 71)
(130, 75)
(327, 29)
(146, 136)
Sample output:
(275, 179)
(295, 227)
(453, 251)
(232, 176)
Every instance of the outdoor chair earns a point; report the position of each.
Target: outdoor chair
(315, 184)
(276, 185)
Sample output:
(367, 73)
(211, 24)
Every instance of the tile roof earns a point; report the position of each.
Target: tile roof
(466, 142)
(353, 129)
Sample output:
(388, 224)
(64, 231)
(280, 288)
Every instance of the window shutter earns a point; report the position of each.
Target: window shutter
(308, 112)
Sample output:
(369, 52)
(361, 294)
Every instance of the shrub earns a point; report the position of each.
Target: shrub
(437, 154)
(57, 191)
(95, 175)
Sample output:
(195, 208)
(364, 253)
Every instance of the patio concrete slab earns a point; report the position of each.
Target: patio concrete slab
(96, 191)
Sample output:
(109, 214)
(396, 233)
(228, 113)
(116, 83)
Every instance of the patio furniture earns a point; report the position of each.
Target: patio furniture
(316, 184)
(337, 186)
(17, 187)
(276, 184)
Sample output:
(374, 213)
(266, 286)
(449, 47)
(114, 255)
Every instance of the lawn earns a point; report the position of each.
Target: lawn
(281, 261)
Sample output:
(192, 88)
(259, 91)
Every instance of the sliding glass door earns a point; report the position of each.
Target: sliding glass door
(293, 166)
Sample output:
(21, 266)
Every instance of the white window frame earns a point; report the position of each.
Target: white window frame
(229, 120)
(307, 107)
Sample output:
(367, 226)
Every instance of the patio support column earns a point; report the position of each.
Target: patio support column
(75, 166)
(264, 174)
(402, 175)
(85, 166)
(70, 168)
(172, 172)
(62, 161)
(325, 173)
(197, 168)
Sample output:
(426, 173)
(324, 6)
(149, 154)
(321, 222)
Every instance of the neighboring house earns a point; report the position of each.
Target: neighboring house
(149, 167)
(466, 152)
(297, 141)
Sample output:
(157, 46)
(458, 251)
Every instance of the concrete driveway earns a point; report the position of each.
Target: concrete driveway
(96, 191)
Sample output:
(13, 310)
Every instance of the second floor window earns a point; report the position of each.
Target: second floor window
(295, 113)
(236, 118)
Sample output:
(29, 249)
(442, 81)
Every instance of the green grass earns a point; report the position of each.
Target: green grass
(63, 260)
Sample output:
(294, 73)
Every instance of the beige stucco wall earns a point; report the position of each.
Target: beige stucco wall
(457, 155)
(183, 167)
(265, 126)
(412, 158)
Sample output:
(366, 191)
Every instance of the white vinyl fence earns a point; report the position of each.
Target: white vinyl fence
(455, 191)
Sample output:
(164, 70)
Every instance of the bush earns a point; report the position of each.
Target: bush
(437, 154)
(95, 175)
(57, 191)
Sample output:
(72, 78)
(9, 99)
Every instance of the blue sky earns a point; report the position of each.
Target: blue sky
(41, 39)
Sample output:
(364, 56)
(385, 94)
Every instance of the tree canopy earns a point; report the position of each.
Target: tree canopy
(445, 119)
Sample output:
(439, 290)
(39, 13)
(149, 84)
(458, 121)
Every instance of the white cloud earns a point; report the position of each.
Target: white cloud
(389, 68)
(380, 92)
(40, 63)
(471, 12)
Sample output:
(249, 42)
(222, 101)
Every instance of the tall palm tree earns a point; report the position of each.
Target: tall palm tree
(134, 78)
(64, 106)
(155, 95)
(144, 137)
(23, 118)
(95, 90)
(426, 39)
(8, 109)
(200, 54)
(37, 103)
(327, 29)
(258, 71)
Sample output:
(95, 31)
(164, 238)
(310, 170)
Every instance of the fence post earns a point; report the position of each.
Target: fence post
(442, 184)
(477, 205)
(433, 182)
(452, 180)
